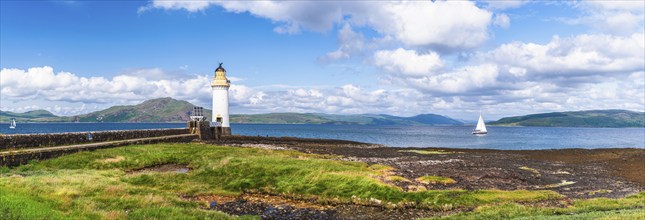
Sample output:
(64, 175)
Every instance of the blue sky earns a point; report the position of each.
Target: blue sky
(348, 57)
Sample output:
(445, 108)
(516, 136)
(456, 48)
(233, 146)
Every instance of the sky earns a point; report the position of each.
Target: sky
(454, 58)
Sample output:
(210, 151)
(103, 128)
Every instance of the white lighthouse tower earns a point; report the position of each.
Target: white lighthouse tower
(220, 85)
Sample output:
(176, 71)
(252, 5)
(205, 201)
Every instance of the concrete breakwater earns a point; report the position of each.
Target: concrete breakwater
(25, 141)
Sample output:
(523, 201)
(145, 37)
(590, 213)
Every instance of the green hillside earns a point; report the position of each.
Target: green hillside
(382, 119)
(364, 119)
(593, 118)
(280, 118)
(36, 115)
(172, 110)
(154, 110)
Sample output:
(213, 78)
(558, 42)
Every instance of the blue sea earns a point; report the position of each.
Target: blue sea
(506, 138)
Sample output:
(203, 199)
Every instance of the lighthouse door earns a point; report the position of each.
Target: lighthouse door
(218, 122)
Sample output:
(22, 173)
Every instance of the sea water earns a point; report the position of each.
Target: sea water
(507, 138)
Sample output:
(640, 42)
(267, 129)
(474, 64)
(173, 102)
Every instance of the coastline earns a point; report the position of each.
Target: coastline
(283, 178)
(590, 169)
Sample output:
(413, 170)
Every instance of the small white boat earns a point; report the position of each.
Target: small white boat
(13, 123)
(481, 127)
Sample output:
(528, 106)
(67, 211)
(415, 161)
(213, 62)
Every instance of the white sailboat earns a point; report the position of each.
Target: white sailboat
(481, 127)
(13, 123)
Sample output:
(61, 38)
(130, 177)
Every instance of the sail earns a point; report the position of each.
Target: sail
(13, 123)
(480, 124)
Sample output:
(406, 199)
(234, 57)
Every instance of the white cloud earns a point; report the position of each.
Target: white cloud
(349, 42)
(191, 6)
(502, 20)
(458, 93)
(634, 6)
(454, 24)
(44, 84)
(587, 71)
(346, 99)
(565, 62)
(582, 55)
(65, 93)
(293, 15)
(517, 71)
(407, 62)
(615, 17)
(464, 80)
(441, 24)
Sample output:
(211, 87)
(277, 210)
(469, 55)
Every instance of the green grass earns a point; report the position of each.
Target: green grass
(96, 185)
(21, 205)
(436, 180)
(397, 179)
(427, 151)
(600, 191)
(631, 207)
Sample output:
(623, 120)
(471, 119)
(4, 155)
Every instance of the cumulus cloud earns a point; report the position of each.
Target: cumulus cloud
(191, 6)
(467, 79)
(502, 20)
(440, 24)
(582, 55)
(457, 93)
(407, 62)
(615, 17)
(66, 93)
(346, 99)
(455, 24)
(43, 83)
(587, 71)
(349, 41)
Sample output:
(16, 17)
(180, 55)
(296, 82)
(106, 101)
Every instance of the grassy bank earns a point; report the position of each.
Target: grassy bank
(632, 207)
(107, 184)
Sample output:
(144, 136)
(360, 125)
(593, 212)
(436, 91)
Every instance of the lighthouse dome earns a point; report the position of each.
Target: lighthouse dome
(220, 68)
(220, 77)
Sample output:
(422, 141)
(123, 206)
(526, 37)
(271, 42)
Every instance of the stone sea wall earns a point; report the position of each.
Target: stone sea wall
(15, 158)
(25, 141)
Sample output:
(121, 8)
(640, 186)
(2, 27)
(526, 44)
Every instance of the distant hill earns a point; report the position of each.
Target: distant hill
(36, 115)
(154, 110)
(172, 110)
(593, 118)
(280, 118)
(382, 119)
(363, 119)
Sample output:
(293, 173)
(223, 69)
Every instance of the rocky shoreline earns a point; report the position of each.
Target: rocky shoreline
(574, 173)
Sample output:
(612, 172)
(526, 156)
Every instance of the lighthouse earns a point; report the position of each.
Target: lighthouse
(220, 85)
